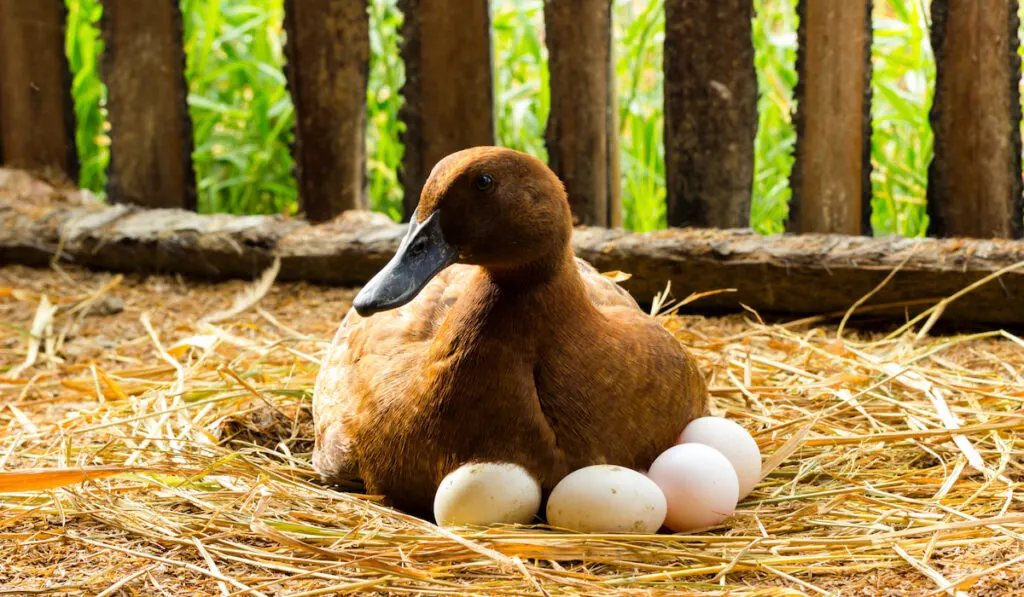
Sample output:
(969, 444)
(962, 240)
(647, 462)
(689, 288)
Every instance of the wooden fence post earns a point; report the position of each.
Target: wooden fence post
(328, 53)
(448, 86)
(831, 178)
(37, 116)
(582, 131)
(974, 182)
(150, 128)
(710, 112)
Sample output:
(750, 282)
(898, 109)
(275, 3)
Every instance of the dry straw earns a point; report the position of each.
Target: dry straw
(177, 463)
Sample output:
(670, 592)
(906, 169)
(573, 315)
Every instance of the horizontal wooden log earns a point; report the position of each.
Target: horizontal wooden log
(795, 274)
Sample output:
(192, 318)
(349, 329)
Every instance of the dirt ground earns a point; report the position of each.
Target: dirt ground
(118, 350)
(111, 331)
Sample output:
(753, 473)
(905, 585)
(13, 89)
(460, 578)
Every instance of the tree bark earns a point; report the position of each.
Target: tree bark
(582, 134)
(974, 182)
(710, 112)
(328, 51)
(448, 87)
(831, 177)
(150, 127)
(37, 114)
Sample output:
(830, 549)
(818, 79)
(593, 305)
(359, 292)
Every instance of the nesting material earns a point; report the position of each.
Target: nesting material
(190, 446)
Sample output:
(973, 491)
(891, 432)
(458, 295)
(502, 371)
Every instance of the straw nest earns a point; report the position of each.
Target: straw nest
(162, 431)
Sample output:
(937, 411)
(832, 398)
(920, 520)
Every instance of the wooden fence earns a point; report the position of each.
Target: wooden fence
(710, 106)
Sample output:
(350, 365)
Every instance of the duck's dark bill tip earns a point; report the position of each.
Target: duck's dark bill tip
(421, 256)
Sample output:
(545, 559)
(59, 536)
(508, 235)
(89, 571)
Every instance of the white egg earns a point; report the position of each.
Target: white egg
(607, 499)
(701, 488)
(733, 442)
(486, 493)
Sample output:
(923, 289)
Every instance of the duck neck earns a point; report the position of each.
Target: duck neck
(523, 302)
(499, 324)
(551, 271)
(535, 300)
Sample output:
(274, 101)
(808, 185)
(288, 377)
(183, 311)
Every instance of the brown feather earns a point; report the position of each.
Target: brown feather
(512, 357)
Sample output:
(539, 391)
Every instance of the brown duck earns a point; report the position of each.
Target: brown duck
(486, 339)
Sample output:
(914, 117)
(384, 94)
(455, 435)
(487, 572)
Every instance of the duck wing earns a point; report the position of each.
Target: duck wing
(602, 290)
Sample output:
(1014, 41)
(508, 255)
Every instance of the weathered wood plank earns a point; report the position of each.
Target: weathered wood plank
(328, 52)
(831, 178)
(974, 182)
(151, 131)
(710, 112)
(37, 116)
(448, 86)
(799, 274)
(581, 135)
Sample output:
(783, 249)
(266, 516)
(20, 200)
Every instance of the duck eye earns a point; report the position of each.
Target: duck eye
(484, 182)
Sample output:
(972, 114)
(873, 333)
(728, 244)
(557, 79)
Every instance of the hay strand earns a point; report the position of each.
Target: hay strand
(167, 455)
(22, 481)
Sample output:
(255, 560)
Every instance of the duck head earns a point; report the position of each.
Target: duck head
(489, 206)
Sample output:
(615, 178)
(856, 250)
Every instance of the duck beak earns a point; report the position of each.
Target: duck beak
(421, 256)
